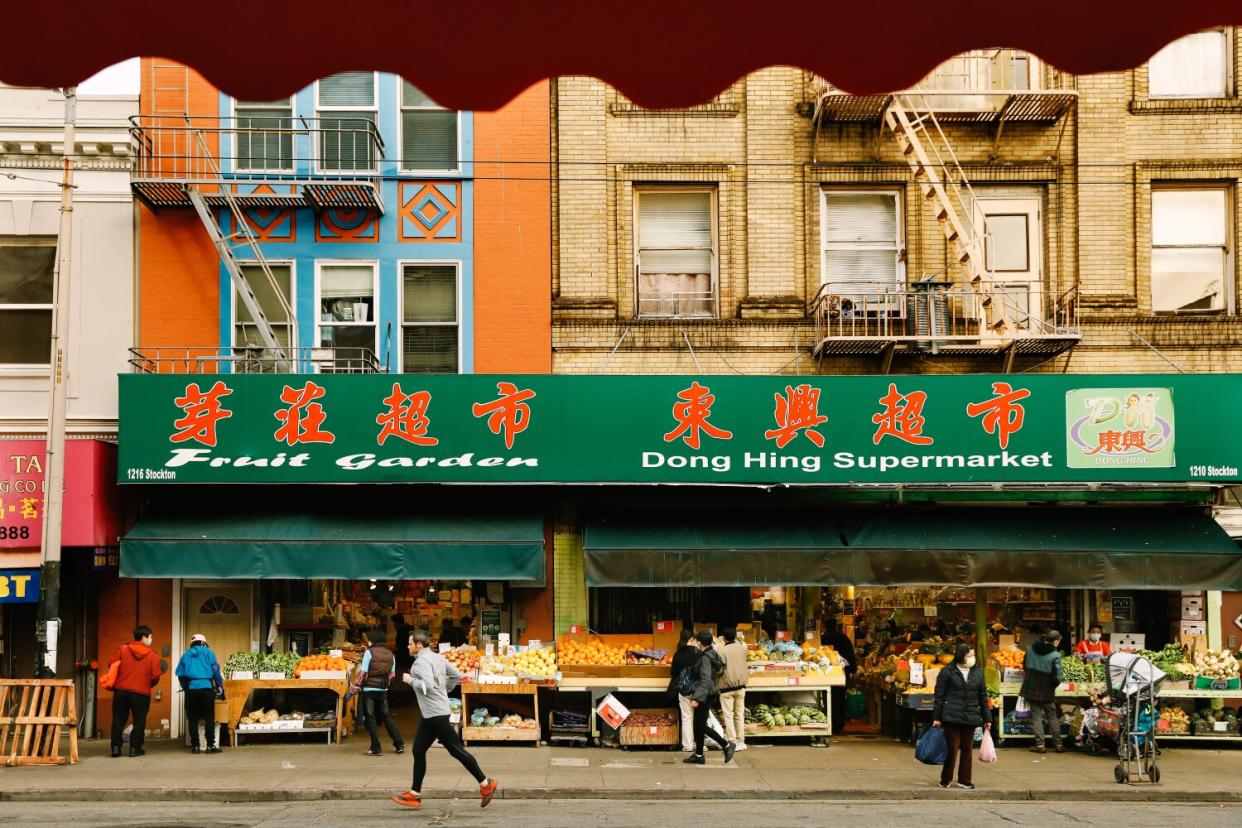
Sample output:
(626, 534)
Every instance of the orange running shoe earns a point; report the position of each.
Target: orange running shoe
(409, 799)
(487, 790)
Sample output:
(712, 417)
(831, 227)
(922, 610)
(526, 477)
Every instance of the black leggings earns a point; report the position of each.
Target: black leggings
(702, 729)
(429, 730)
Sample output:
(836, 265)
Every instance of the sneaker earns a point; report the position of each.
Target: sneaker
(966, 786)
(486, 791)
(729, 750)
(373, 753)
(195, 749)
(212, 749)
(398, 749)
(1039, 749)
(695, 759)
(116, 751)
(409, 799)
(137, 752)
(944, 785)
(740, 746)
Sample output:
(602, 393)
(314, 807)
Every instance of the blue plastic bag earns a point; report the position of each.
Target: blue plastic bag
(933, 748)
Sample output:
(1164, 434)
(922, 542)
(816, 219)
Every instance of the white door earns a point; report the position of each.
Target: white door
(1013, 252)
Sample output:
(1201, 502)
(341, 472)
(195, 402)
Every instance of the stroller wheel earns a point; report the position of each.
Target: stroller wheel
(1120, 775)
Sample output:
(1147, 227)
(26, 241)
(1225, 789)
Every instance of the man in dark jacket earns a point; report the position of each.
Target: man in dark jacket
(199, 674)
(686, 656)
(139, 670)
(378, 667)
(1042, 669)
(833, 637)
(708, 667)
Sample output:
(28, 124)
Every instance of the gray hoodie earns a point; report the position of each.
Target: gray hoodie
(433, 678)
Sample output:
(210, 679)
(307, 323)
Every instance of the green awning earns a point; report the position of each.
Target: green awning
(1100, 548)
(343, 542)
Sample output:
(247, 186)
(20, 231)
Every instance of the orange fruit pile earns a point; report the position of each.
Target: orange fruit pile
(590, 653)
(320, 662)
(1009, 658)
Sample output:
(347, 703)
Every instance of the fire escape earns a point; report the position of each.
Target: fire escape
(974, 315)
(217, 164)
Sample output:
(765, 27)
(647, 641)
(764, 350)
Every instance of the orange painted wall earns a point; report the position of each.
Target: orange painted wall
(124, 603)
(512, 236)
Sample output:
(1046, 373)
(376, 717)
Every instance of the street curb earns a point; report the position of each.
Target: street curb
(1119, 793)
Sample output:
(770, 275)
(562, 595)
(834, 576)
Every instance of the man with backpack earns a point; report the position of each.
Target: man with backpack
(702, 694)
(137, 670)
(379, 665)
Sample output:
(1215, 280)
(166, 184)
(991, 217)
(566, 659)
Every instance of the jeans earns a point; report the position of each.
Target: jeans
(375, 708)
(702, 729)
(1046, 715)
(687, 722)
(125, 703)
(429, 730)
(961, 739)
(733, 706)
(200, 705)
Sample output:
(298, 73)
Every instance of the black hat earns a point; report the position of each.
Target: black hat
(704, 637)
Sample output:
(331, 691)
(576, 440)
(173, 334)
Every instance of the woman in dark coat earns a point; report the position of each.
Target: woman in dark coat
(961, 706)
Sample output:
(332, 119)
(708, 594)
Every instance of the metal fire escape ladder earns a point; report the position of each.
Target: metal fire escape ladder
(243, 238)
(944, 183)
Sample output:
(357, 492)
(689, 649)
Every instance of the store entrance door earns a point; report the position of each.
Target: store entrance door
(223, 614)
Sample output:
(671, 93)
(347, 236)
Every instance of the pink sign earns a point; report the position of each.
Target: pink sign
(91, 502)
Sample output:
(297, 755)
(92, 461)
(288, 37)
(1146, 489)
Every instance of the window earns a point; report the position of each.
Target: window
(219, 605)
(26, 300)
(264, 135)
(429, 319)
(1189, 249)
(347, 121)
(245, 332)
(347, 307)
(1012, 250)
(676, 253)
(860, 238)
(1193, 67)
(428, 132)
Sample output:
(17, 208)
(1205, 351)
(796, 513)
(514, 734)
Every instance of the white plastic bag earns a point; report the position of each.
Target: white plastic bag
(714, 724)
(987, 748)
(1023, 709)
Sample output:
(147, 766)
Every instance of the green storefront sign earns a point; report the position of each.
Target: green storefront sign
(678, 429)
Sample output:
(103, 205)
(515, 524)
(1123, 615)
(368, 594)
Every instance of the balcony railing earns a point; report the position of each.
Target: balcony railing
(867, 317)
(267, 162)
(253, 360)
(677, 305)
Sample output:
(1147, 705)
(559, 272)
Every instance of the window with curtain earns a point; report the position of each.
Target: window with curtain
(26, 267)
(676, 253)
(264, 134)
(428, 132)
(861, 241)
(347, 306)
(429, 319)
(1189, 249)
(1196, 66)
(245, 332)
(346, 107)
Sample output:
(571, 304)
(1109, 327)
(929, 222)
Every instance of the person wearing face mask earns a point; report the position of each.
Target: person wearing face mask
(961, 706)
(1094, 644)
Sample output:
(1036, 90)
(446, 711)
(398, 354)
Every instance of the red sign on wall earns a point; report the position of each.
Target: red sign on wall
(92, 508)
(21, 494)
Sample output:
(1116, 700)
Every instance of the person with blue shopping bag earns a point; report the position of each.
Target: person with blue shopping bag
(961, 707)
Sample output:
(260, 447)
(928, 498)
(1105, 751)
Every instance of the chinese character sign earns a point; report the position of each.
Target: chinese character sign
(21, 494)
(755, 430)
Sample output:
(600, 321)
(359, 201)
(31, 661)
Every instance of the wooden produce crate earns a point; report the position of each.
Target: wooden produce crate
(663, 671)
(499, 734)
(589, 671)
(631, 735)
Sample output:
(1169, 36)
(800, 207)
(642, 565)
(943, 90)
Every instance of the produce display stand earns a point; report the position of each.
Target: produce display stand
(521, 697)
(817, 683)
(1012, 689)
(1177, 694)
(237, 694)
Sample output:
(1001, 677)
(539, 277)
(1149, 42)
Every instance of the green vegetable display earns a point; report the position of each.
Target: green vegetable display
(767, 716)
(261, 663)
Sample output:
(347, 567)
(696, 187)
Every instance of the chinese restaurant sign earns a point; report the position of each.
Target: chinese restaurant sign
(388, 428)
(21, 494)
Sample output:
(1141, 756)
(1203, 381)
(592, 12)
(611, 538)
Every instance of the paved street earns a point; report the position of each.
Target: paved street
(575, 813)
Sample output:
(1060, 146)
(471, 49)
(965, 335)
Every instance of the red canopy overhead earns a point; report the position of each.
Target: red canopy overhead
(477, 54)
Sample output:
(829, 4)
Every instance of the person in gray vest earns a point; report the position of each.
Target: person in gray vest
(376, 672)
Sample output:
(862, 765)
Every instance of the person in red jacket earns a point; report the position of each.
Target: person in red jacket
(138, 672)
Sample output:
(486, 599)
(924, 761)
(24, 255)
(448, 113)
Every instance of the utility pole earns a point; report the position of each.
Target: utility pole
(48, 630)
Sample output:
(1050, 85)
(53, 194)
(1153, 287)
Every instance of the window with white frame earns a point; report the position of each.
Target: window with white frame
(428, 132)
(346, 106)
(347, 305)
(429, 322)
(1195, 66)
(245, 331)
(861, 241)
(264, 131)
(1189, 249)
(26, 267)
(675, 252)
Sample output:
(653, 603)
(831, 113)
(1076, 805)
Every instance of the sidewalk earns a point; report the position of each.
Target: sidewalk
(852, 768)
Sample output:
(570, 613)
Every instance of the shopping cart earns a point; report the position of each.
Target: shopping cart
(1131, 720)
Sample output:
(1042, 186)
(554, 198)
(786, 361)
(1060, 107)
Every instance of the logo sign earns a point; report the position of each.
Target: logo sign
(1120, 427)
(797, 430)
(19, 586)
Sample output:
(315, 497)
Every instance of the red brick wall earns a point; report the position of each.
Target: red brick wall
(124, 603)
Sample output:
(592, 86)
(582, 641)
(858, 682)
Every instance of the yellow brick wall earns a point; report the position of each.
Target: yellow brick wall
(570, 578)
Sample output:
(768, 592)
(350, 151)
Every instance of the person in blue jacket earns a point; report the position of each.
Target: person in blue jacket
(199, 674)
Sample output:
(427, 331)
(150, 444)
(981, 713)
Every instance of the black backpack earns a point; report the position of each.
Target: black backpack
(686, 680)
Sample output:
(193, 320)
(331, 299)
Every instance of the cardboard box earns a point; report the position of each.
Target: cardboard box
(1192, 609)
(1012, 675)
(613, 712)
(1189, 628)
(1130, 642)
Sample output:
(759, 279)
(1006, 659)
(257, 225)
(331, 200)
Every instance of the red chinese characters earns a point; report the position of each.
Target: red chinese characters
(406, 417)
(797, 410)
(202, 411)
(691, 415)
(902, 417)
(1113, 442)
(1002, 415)
(301, 422)
(509, 413)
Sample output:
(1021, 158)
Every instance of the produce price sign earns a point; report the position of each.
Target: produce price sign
(380, 428)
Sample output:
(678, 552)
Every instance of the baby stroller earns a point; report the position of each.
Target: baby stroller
(1093, 737)
(1131, 720)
